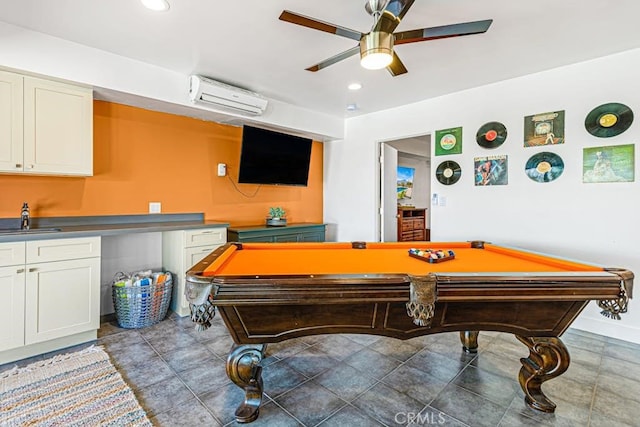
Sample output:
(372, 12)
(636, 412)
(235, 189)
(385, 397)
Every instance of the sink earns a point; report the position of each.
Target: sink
(4, 231)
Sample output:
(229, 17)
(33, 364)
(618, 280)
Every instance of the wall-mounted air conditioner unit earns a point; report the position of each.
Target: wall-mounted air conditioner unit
(221, 95)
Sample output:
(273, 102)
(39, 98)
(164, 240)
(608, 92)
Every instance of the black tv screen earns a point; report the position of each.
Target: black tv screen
(269, 157)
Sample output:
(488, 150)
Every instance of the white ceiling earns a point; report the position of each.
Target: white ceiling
(242, 42)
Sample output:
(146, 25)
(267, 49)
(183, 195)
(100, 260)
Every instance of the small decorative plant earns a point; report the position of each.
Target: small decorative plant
(276, 212)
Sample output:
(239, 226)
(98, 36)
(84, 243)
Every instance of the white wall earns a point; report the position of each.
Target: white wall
(593, 222)
(132, 82)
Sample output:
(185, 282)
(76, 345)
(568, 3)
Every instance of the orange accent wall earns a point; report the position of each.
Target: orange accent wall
(143, 156)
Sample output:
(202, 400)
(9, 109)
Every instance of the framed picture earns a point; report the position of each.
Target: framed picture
(405, 182)
(544, 129)
(491, 170)
(449, 141)
(614, 163)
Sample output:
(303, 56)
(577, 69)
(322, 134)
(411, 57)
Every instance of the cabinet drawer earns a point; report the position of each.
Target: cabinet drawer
(418, 235)
(205, 236)
(62, 249)
(407, 225)
(407, 236)
(12, 253)
(418, 223)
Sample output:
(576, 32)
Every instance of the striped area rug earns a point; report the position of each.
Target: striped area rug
(76, 389)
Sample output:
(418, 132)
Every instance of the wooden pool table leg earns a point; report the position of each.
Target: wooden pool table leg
(469, 341)
(548, 358)
(243, 368)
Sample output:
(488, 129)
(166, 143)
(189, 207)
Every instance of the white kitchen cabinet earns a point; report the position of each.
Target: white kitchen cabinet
(180, 251)
(63, 298)
(12, 285)
(47, 127)
(55, 293)
(11, 139)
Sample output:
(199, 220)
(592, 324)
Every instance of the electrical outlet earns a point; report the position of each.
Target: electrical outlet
(222, 169)
(155, 207)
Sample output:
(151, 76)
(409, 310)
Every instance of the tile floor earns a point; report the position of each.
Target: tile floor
(179, 377)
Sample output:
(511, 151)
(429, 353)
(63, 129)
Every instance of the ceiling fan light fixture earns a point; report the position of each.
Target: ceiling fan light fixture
(376, 50)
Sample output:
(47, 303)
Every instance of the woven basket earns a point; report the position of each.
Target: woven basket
(141, 306)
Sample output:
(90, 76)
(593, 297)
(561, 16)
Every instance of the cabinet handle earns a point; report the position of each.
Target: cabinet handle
(18, 165)
(206, 232)
(20, 270)
(31, 270)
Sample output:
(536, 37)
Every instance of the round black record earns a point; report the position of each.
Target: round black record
(491, 135)
(448, 172)
(608, 120)
(544, 167)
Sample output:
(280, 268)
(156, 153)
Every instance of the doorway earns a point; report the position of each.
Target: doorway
(412, 155)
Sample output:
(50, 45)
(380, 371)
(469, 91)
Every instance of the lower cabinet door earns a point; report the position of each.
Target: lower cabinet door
(11, 307)
(62, 298)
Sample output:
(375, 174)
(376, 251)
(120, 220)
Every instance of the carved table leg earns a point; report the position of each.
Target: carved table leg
(548, 358)
(469, 341)
(243, 368)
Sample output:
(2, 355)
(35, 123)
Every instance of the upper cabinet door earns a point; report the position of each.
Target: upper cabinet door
(58, 128)
(10, 122)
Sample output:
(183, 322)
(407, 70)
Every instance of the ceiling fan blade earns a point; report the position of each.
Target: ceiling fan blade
(305, 21)
(396, 67)
(392, 15)
(334, 59)
(454, 30)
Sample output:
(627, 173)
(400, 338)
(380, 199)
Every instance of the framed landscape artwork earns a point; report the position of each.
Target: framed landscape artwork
(405, 182)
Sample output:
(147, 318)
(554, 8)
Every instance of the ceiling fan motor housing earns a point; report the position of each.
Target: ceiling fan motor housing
(376, 43)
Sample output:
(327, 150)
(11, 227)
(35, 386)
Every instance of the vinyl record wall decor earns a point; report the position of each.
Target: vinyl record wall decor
(608, 120)
(544, 167)
(491, 135)
(448, 172)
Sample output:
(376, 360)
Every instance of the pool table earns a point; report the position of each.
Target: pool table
(271, 292)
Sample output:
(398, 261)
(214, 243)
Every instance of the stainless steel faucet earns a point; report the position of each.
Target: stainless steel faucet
(25, 218)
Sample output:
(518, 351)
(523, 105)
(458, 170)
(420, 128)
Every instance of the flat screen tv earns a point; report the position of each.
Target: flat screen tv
(269, 157)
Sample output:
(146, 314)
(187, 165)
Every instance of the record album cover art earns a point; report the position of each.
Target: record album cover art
(491, 170)
(544, 129)
(608, 164)
(449, 141)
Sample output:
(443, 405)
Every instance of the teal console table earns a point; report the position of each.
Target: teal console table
(301, 232)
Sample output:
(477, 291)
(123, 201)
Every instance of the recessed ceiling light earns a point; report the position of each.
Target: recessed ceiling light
(352, 107)
(355, 86)
(157, 5)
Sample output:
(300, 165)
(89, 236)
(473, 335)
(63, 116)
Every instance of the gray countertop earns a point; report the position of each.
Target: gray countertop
(110, 225)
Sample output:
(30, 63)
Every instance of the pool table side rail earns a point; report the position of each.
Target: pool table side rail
(347, 288)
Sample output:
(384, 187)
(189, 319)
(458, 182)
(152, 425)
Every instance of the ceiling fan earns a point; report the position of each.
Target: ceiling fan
(376, 46)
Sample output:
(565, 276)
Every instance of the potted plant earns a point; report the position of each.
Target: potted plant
(276, 217)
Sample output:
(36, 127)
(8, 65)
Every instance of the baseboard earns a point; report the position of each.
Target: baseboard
(607, 327)
(47, 346)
